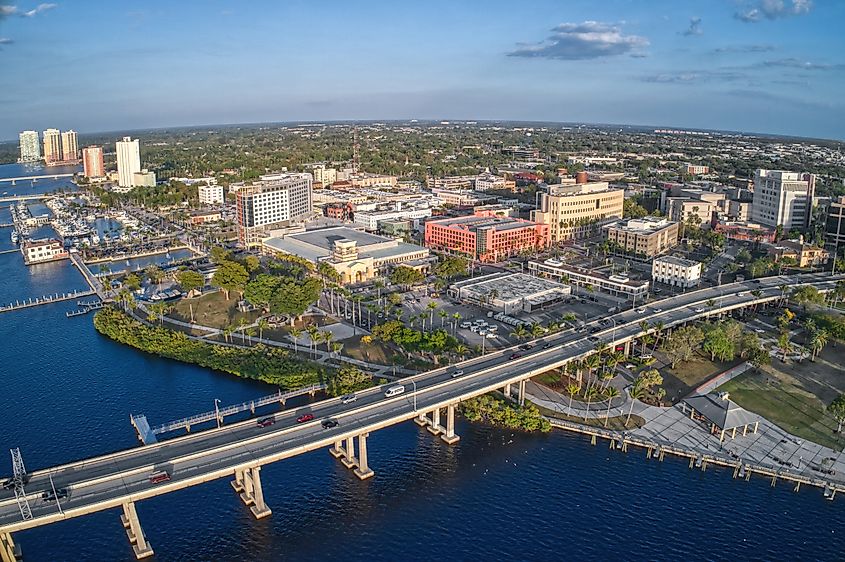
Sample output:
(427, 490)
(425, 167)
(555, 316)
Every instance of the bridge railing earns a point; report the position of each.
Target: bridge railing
(235, 409)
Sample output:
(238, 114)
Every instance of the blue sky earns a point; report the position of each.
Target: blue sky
(775, 66)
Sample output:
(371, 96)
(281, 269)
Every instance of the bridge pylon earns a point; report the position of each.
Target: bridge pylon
(247, 483)
(134, 532)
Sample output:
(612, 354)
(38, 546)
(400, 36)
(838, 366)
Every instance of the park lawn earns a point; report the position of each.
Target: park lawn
(376, 352)
(787, 405)
(212, 309)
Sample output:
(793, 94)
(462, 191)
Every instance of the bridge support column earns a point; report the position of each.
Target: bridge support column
(248, 483)
(421, 420)
(522, 392)
(9, 551)
(337, 450)
(435, 427)
(363, 471)
(134, 531)
(627, 350)
(349, 460)
(449, 435)
(238, 482)
(508, 391)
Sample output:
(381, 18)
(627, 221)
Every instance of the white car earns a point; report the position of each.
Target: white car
(457, 373)
(699, 310)
(640, 311)
(490, 335)
(348, 399)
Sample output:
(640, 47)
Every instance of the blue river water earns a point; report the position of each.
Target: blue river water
(68, 392)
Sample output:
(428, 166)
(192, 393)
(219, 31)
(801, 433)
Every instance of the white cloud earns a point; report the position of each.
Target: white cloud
(10, 10)
(760, 10)
(580, 41)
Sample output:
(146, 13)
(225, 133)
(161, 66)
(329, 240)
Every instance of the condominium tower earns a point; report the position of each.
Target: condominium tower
(92, 162)
(52, 145)
(70, 146)
(30, 147)
(128, 161)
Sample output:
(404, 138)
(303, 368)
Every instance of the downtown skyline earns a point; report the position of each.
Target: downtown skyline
(765, 66)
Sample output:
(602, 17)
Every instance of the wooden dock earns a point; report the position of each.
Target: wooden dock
(48, 299)
(699, 459)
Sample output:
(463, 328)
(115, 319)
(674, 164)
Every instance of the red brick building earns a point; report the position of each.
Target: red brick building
(487, 239)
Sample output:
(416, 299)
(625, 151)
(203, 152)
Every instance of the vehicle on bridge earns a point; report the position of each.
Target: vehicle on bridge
(266, 422)
(457, 373)
(50, 496)
(159, 477)
(329, 423)
(394, 391)
(305, 418)
(348, 399)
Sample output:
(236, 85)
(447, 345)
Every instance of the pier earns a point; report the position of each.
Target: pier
(48, 299)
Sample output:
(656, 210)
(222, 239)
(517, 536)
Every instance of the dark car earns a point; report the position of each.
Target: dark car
(514, 356)
(8, 484)
(594, 329)
(266, 422)
(329, 423)
(594, 339)
(305, 418)
(526, 346)
(548, 346)
(49, 496)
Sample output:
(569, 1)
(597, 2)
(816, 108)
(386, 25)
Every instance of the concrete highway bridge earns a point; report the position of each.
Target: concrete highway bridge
(238, 451)
(13, 181)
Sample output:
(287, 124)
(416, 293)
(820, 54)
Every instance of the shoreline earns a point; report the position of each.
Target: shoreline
(141, 255)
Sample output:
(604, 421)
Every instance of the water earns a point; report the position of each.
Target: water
(38, 186)
(68, 393)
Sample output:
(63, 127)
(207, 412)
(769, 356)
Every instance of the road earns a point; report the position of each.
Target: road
(110, 480)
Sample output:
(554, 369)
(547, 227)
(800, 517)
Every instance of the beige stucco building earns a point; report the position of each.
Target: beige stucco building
(577, 210)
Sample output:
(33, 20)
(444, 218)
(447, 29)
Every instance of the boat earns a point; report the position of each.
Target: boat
(15, 237)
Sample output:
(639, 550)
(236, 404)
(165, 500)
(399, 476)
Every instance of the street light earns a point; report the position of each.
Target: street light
(413, 382)
(217, 411)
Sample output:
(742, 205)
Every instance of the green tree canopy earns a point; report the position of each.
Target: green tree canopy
(406, 276)
(190, 280)
(230, 276)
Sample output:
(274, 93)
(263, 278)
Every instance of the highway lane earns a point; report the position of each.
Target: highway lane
(127, 472)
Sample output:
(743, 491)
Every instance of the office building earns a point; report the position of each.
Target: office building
(52, 146)
(92, 162)
(357, 256)
(696, 170)
(834, 229)
(617, 285)
(371, 220)
(210, 194)
(577, 210)
(70, 147)
(803, 254)
(783, 199)
(30, 146)
(677, 272)
(128, 161)
(323, 175)
(685, 209)
(647, 237)
(269, 204)
(486, 238)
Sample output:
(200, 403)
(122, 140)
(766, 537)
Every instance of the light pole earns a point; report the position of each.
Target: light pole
(217, 411)
(413, 382)
(613, 332)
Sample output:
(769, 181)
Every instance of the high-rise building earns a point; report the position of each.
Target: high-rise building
(578, 210)
(324, 175)
(70, 146)
(128, 161)
(277, 202)
(52, 145)
(835, 226)
(783, 199)
(30, 146)
(210, 194)
(92, 162)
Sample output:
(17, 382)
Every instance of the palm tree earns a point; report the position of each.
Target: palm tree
(456, 317)
(591, 362)
(818, 339)
(295, 334)
(519, 332)
(589, 394)
(658, 332)
(336, 347)
(636, 393)
(263, 324)
(227, 333)
(327, 338)
(461, 350)
(537, 330)
(313, 336)
(432, 306)
(241, 327)
(572, 389)
(443, 316)
(610, 393)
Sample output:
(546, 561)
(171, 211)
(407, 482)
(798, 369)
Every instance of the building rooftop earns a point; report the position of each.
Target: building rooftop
(722, 411)
(642, 226)
(674, 260)
(511, 287)
(326, 237)
(473, 223)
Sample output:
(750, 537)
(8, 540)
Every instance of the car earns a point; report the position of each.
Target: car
(8, 484)
(466, 325)
(760, 330)
(514, 356)
(658, 290)
(395, 390)
(741, 294)
(266, 422)
(305, 418)
(329, 423)
(630, 366)
(348, 399)
(491, 335)
(594, 329)
(474, 328)
(548, 346)
(646, 357)
(526, 346)
(594, 339)
(50, 496)
(699, 310)
(457, 373)
(656, 309)
(756, 281)
(640, 311)
(159, 477)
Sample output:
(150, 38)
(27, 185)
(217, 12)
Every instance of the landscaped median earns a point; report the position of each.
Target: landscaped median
(267, 364)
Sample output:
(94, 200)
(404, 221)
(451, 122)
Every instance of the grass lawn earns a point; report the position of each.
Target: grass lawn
(685, 377)
(782, 401)
(375, 352)
(212, 309)
(615, 423)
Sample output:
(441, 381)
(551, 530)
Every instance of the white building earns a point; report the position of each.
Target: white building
(46, 249)
(370, 220)
(510, 293)
(30, 146)
(279, 201)
(128, 161)
(324, 175)
(488, 181)
(144, 178)
(678, 272)
(210, 194)
(783, 198)
(620, 286)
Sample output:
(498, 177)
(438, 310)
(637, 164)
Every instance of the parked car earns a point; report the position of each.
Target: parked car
(329, 423)
(266, 422)
(514, 356)
(305, 418)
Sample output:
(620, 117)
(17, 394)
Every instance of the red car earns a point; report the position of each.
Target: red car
(265, 422)
(159, 477)
(305, 418)
(515, 356)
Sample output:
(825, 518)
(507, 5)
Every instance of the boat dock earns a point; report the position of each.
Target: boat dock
(48, 299)
(148, 434)
(86, 308)
(699, 459)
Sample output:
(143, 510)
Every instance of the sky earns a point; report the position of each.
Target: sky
(768, 66)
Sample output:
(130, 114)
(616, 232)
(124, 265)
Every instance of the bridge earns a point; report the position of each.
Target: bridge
(239, 450)
(10, 198)
(36, 178)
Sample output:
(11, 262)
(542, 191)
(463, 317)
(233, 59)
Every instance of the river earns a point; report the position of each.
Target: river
(495, 495)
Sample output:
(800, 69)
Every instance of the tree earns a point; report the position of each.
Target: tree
(295, 334)
(230, 276)
(519, 332)
(406, 276)
(132, 282)
(293, 297)
(718, 343)
(219, 254)
(260, 290)
(451, 266)
(572, 389)
(252, 263)
(818, 339)
(681, 345)
(807, 295)
(610, 393)
(154, 274)
(262, 325)
(635, 393)
(190, 280)
(837, 410)
(349, 379)
(432, 306)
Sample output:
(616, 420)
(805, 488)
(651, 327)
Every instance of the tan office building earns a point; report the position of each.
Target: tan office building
(577, 210)
(648, 237)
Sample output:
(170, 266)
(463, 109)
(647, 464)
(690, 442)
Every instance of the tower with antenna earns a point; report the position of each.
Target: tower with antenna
(356, 150)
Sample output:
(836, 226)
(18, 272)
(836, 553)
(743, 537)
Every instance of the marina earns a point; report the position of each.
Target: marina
(47, 299)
